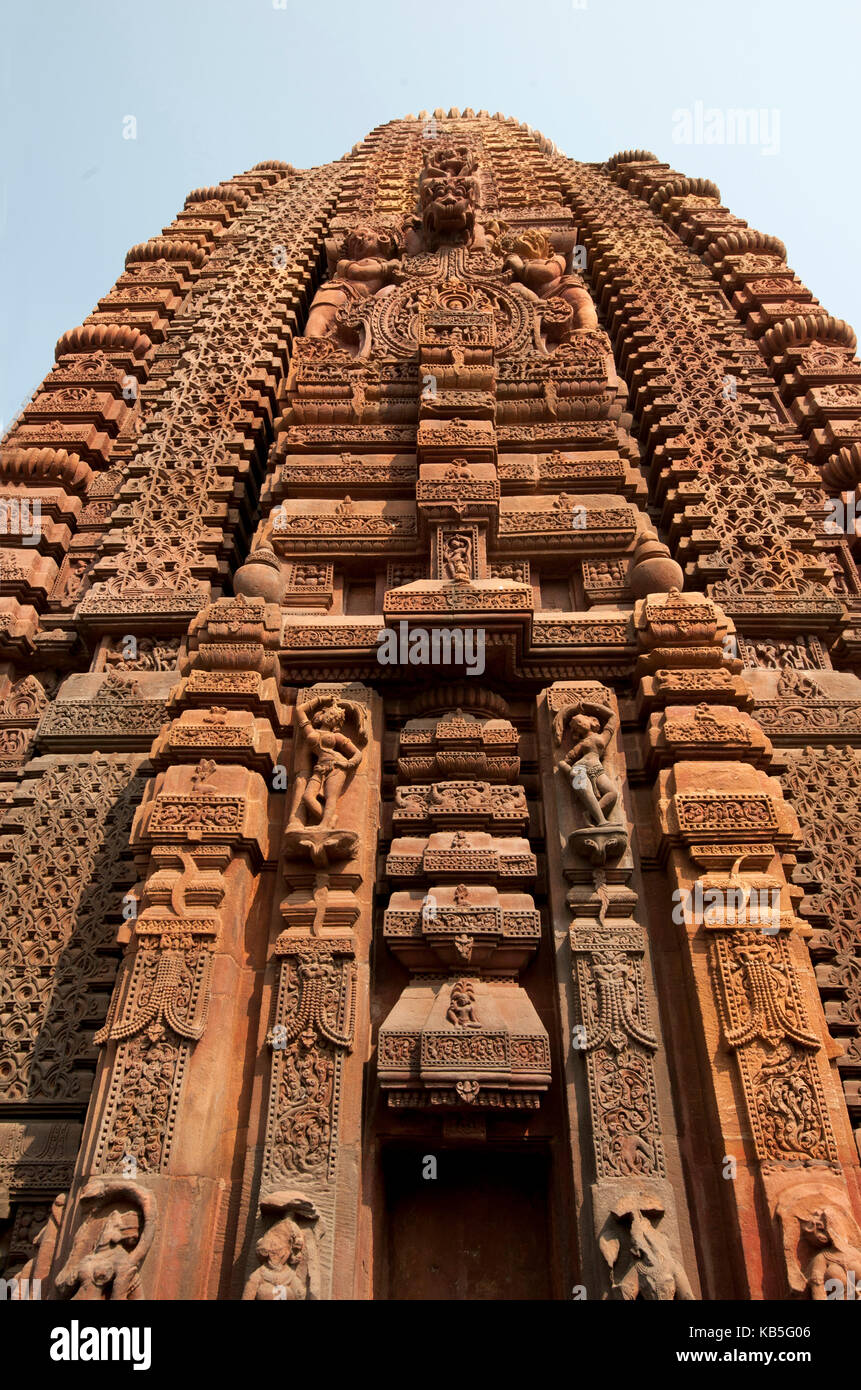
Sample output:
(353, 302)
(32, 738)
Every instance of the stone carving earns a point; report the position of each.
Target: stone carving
(448, 194)
(75, 827)
(313, 1028)
(208, 401)
(821, 1242)
(111, 1243)
(739, 492)
(455, 1040)
(824, 786)
(638, 1254)
(763, 1021)
(151, 654)
(724, 814)
(782, 655)
(835, 1259)
(439, 803)
(618, 1043)
(587, 729)
(20, 708)
(38, 1156)
(326, 757)
(34, 1234)
(543, 271)
(24, 701)
(369, 266)
(457, 562)
(461, 1008)
(289, 1266)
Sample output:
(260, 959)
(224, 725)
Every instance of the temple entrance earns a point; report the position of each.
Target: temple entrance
(478, 1230)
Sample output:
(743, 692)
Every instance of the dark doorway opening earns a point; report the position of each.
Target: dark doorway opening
(477, 1230)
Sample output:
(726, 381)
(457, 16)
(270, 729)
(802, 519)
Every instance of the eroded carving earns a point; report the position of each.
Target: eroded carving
(289, 1268)
(111, 1243)
(639, 1256)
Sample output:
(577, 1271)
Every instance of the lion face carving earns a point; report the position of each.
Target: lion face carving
(448, 212)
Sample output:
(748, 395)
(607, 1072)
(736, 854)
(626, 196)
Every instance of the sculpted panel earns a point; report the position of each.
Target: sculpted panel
(111, 1243)
(638, 1251)
(289, 1268)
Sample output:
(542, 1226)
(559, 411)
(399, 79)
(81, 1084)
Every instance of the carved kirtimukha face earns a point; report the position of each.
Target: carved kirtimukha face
(447, 209)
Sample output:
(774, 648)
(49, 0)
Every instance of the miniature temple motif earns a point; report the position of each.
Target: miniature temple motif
(429, 728)
(465, 1033)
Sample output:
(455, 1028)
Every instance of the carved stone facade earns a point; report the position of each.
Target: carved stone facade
(429, 731)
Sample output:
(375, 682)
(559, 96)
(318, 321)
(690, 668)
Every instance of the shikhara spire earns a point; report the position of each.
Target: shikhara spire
(422, 577)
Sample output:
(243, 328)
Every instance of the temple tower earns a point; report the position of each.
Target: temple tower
(430, 714)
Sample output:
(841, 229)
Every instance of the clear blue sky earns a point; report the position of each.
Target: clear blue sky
(217, 85)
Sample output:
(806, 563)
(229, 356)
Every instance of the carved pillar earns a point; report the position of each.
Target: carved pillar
(624, 1149)
(304, 1162)
(773, 1102)
(171, 1081)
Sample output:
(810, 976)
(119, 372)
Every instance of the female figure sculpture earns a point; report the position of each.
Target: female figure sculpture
(326, 757)
(592, 726)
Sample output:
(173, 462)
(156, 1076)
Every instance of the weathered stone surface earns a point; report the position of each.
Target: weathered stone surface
(429, 731)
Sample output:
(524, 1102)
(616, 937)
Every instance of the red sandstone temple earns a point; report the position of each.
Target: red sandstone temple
(429, 714)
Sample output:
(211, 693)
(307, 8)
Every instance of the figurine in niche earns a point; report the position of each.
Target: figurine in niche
(782, 656)
(641, 1262)
(110, 1245)
(456, 556)
(591, 727)
(461, 1005)
(71, 579)
(835, 1268)
(44, 1243)
(535, 263)
(368, 267)
(359, 396)
(449, 160)
(326, 758)
(331, 735)
(289, 1265)
(798, 685)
